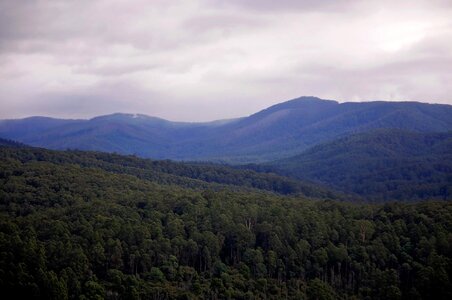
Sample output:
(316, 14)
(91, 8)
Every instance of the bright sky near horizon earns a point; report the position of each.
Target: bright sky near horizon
(209, 59)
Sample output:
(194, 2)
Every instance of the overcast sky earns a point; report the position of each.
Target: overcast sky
(205, 60)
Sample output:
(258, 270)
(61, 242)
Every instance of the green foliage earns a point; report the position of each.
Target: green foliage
(71, 231)
(319, 290)
(381, 165)
(190, 175)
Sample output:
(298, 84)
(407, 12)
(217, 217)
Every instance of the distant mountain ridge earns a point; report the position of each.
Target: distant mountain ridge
(282, 130)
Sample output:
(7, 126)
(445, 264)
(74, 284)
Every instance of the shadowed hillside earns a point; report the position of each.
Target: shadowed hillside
(380, 164)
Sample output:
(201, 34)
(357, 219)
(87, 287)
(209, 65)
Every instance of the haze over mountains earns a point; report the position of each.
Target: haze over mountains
(280, 131)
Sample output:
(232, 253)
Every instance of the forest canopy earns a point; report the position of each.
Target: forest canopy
(72, 230)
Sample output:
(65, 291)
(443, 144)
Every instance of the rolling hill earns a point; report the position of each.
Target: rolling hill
(280, 131)
(188, 175)
(90, 225)
(380, 164)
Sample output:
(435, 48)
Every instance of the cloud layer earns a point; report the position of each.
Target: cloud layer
(210, 59)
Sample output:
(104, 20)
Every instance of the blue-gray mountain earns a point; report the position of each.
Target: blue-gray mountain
(280, 131)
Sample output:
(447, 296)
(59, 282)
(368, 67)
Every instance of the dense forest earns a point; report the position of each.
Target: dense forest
(192, 175)
(86, 225)
(380, 165)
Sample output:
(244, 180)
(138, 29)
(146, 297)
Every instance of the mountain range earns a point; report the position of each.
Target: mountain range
(278, 132)
(307, 199)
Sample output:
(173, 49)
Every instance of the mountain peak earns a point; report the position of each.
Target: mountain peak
(126, 117)
(303, 102)
(310, 100)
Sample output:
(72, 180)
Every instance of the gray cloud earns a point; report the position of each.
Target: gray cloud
(207, 59)
(286, 5)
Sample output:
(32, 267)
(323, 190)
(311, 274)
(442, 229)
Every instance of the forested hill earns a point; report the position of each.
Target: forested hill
(190, 175)
(380, 165)
(73, 231)
(277, 132)
(11, 143)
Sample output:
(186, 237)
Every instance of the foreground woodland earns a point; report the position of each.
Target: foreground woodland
(74, 229)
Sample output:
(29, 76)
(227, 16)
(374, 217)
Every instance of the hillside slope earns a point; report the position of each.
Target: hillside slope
(188, 175)
(380, 164)
(73, 230)
(279, 131)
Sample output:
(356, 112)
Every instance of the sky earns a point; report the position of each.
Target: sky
(203, 60)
